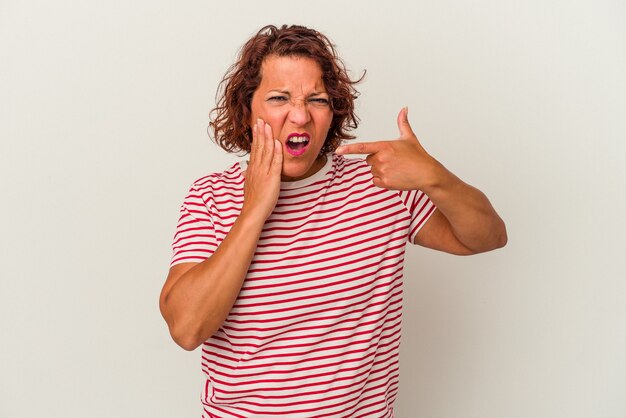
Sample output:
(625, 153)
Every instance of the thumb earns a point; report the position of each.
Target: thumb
(403, 123)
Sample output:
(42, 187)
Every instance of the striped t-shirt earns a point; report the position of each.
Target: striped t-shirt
(315, 331)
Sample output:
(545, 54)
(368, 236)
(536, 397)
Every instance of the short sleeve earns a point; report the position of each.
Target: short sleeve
(194, 240)
(420, 207)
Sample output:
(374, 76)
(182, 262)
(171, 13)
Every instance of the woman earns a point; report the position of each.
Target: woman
(287, 269)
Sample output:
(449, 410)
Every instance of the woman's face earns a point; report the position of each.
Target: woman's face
(292, 99)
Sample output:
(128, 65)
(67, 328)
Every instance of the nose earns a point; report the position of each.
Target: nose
(299, 113)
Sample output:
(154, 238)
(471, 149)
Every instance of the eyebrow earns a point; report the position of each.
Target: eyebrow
(315, 93)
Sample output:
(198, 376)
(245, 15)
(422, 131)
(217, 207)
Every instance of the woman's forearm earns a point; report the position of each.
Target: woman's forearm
(199, 300)
(473, 220)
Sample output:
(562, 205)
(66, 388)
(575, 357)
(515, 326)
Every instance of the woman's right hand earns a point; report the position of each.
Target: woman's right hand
(262, 177)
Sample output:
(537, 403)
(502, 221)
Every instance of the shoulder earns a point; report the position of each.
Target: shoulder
(229, 178)
(345, 166)
(210, 187)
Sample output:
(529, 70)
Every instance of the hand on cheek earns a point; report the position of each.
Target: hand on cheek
(262, 179)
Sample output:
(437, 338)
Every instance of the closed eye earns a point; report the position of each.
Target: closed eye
(277, 99)
(319, 100)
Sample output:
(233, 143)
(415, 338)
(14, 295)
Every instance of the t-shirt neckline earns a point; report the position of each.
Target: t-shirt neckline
(286, 185)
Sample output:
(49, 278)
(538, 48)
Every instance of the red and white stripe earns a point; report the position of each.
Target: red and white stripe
(315, 331)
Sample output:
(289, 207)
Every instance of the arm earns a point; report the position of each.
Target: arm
(464, 222)
(197, 297)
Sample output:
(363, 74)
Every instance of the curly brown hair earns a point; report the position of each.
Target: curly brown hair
(230, 119)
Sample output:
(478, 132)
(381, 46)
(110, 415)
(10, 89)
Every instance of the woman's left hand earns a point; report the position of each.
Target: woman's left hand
(400, 164)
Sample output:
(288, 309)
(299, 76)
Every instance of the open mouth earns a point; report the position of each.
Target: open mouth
(297, 144)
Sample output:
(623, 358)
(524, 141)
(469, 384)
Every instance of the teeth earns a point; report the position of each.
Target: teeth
(298, 139)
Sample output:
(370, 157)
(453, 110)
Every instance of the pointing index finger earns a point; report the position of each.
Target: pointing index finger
(359, 148)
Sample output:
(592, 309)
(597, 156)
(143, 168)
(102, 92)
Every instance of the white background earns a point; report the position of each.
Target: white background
(103, 114)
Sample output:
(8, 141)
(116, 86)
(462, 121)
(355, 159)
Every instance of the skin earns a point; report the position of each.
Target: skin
(292, 99)
(197, 297)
